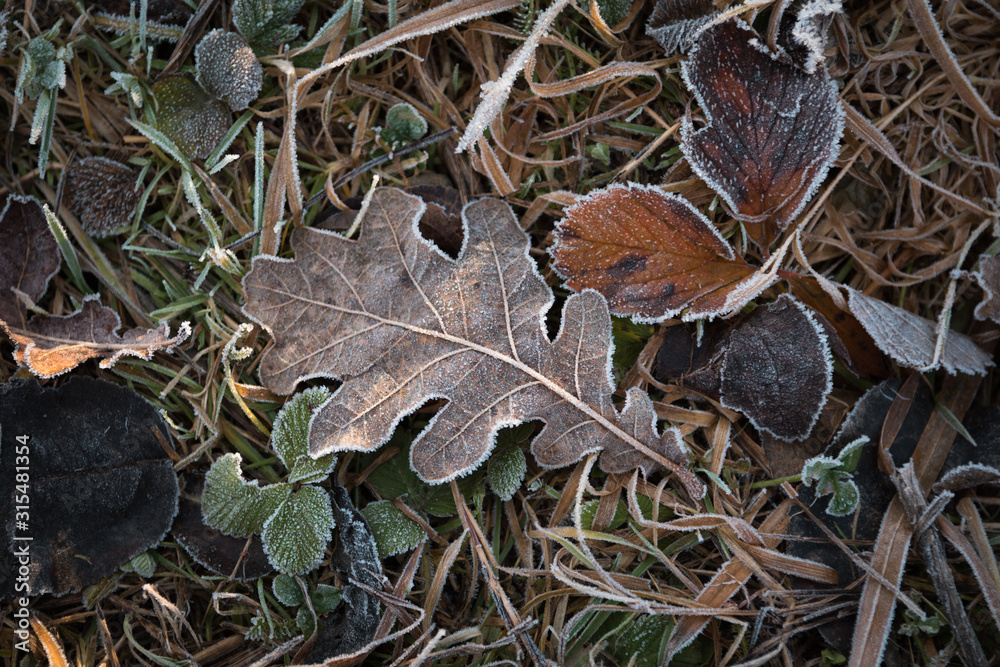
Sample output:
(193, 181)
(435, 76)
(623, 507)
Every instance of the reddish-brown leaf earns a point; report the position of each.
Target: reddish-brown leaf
(50, 345)
(652, 255)
(772, 129)
(401, 323)
(29, 255)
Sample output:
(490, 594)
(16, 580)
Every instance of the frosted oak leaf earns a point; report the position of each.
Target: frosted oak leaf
(402, 324)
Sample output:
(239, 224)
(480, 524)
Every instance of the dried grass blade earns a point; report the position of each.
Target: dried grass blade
(618, 70)
(927, 26)
(866, 131)
(53, 650)
(798, 567)
(990, 588)
(437, 584)
(495, 92)
(878, 603)
(730, 578)
(498, 177)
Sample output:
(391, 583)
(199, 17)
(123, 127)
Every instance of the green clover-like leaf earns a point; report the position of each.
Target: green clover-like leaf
(235, 506)
(296, 535)
(393, 531)
(191, 118)
(290, 438)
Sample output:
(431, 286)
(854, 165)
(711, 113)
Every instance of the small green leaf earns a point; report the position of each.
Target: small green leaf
(506, 472)
(645, 640)
(394, 532)
(287, 590)
(817, 468)
(325, 598)
(235, 506)
(405, 124)
(845, 498)
(613, 11)
(296, 535)
(851, 454)
(266, 23)
(290, 437)
(144, 565)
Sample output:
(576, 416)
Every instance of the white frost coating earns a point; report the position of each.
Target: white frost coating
(952, 480)
(688, 133)
(910, 339)
(811, 26)
(679, 36)
(495, 92)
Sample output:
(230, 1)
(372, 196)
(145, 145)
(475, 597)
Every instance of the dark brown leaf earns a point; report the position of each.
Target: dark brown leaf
(402, 324)
(778, 370)
(102, 489)
(804, 33)
(50, 345)
(772, 130)
(29, 255)
(103, 193)
(652, 255)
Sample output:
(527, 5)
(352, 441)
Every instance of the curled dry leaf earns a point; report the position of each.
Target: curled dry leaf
(228, 68)
(988, 277)
(49, 345)
(652, 255)
(910, 339)
(103, 194)
(674, 23)
(29, 256)
(102, 487)
(190, 117)
(401, 323)
(772, 130)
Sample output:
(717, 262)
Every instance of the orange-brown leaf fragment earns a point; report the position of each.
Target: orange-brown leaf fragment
(401, 324)
(772, 129)
(50, 345)
(29, 255)
(651, 254)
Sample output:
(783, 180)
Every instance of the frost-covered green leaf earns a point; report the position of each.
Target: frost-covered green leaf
(644, 640)
(42, 68)
(833, 477)
(235, 506)
(296, 535)
(613, 11)
(394, 532)
(126, 84)
(266, 23)
(228, 68)
(589, 511)
(290, 437)
(287, 590)
(403, 125)
(260, 629)
(324, 599)
(506, 472)
(194, 120)
(144, 565)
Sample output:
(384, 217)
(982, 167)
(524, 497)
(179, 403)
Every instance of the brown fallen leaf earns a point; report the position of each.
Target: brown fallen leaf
(652, 255)
(402, 324)
(772, 129)
(29, 255)
(50, 345)
(910, 339)
(674, 23)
